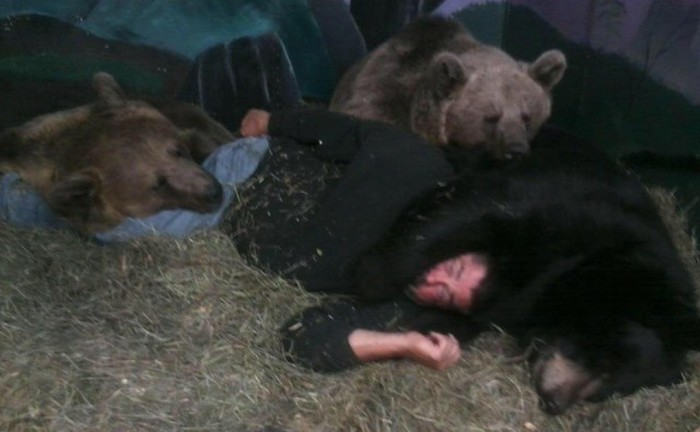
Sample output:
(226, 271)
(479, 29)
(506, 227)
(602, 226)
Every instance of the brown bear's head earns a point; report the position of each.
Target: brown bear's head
(496, 107)
(124, 159)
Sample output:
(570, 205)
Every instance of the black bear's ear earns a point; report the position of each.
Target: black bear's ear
(692, 332)
(108, 91)
(74, 196)
(548, 69)
(12, 148)
(446, 74)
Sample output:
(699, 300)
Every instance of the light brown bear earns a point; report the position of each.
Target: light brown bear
(98, 164)
(436, 79)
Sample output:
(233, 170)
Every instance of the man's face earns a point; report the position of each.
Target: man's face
(451, 284)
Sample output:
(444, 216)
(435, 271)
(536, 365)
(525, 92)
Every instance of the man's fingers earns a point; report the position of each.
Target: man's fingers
(440, 336)
(435, 334)
(453, 351)
(438, 339)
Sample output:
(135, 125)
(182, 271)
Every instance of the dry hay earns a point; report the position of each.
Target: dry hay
(163, 335)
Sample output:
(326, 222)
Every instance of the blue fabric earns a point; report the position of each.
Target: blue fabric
(189, 27)
(231, 164)
(21, 205)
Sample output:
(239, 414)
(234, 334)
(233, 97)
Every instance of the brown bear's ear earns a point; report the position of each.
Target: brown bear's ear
(548, 69)
(108, 91)
(199, 144)
(75, 196)
(446, 75)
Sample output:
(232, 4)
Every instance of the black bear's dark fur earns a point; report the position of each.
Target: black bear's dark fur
(579, 261)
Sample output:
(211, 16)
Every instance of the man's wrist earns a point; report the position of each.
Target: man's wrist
(371, 345)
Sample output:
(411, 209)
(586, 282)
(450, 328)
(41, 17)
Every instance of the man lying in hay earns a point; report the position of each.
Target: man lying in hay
(562, 249)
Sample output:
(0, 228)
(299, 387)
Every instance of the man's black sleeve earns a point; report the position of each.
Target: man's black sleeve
(336, 137)
(387, 168)
(317, 338)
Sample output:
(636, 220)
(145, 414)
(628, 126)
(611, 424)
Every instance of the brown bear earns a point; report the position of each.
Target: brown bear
(433, 77)
(97, 164)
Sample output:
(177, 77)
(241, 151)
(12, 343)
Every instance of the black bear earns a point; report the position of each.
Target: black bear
(562, 249)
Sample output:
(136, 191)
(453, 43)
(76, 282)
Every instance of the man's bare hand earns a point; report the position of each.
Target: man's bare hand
(255, 123)
(434, 350)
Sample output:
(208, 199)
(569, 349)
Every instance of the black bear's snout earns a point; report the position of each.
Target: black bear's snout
(517, 149)
(550, 405)
(559, 380)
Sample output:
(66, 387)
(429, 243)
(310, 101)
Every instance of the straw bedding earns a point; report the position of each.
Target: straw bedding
(159, 335)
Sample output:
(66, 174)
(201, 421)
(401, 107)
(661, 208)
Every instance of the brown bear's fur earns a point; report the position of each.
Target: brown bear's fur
(436, 79)
(97, 164)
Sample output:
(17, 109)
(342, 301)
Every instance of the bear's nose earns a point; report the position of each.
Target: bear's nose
(550, 405)
(215, 193)
(516, 150)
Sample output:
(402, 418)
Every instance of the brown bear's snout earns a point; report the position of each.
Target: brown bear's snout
(215, 193)
(210, 195)
(193, 189)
